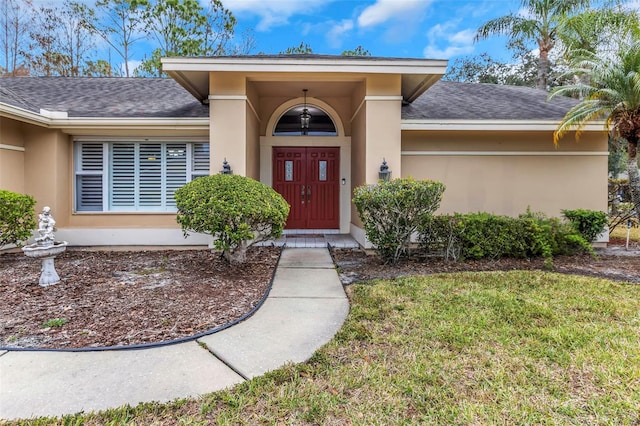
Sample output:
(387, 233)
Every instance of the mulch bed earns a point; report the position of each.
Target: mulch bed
(114, 298)
(614, 263)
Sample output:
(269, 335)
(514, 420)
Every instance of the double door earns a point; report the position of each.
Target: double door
(308, 178)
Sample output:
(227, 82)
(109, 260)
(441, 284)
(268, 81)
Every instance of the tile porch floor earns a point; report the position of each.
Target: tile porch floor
(310, 238)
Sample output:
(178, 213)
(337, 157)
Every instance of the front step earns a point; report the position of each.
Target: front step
(313, 241)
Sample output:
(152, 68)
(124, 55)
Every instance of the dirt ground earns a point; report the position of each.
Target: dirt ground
(113, 298)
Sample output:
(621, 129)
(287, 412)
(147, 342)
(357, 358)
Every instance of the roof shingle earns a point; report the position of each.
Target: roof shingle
(103, 97)
(448, 100)
(165, 98)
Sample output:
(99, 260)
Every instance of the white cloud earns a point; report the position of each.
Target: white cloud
(387, 10)
(464, 37)
(434, 52)
(273, 13)
(337, 34)
(445, 41)
(133, 64)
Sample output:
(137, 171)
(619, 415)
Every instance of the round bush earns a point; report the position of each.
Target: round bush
(391, 212)
(17, 217)
(237, 211)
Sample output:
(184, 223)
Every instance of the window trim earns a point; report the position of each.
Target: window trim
(106, 172)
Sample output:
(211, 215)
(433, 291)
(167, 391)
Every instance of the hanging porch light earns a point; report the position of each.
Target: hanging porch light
(305, 117)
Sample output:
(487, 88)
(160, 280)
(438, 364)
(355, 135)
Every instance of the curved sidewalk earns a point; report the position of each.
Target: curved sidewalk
(305, 308)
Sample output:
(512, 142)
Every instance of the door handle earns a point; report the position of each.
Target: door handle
(302, 194)
(309, 193)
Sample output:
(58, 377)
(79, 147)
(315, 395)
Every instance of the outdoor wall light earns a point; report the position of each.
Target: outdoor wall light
(305, 116)
(226, 168)
(384, 174)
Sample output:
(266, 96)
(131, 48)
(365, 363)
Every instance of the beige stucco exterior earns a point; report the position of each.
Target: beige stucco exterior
(503, 168)
(507, 172)
(11, 155)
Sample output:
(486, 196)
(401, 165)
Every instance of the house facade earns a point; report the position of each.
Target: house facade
(106, 154)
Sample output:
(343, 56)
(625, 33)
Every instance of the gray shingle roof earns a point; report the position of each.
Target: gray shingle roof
(102, 97)
(163, 97)
(12, 98)
(447, 100)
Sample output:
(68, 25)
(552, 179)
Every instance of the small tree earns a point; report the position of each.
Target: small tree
(237, 211)
(392, 211)
(17, 217)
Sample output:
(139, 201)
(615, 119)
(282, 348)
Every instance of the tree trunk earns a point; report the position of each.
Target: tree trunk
(634, 176)
(238, 255)
(543, 67)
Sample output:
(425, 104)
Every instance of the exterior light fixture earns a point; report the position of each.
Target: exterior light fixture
(226, 168)
(384, 174)
(305, 116)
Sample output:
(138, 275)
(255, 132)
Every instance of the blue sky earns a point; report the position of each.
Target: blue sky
(436, 29)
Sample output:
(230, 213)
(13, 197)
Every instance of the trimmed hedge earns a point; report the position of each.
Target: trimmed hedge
(589, 223)
(236, 210)
(484, 235)
(391, 212)
(17, 217)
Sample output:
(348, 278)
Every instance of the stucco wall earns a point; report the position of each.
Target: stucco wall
(358, 146)
(228, 122)
(11, 156)
(48, 170)
(507, 172)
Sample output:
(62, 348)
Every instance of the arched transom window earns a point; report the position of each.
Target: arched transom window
(320, 123)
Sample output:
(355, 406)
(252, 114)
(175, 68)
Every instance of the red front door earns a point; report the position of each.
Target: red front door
(308, 178)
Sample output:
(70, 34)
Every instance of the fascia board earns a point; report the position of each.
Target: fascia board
(23, 115)
(115, 123)
(74, 124)
(492, 125)
(305, 65)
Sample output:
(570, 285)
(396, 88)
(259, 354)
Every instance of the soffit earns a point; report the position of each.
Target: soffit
(417, 75)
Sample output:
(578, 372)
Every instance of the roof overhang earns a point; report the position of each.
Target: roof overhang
(53, 120)
(492, 125)
(417, 75)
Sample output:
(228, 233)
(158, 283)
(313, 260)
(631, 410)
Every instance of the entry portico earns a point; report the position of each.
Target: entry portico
(249, 96)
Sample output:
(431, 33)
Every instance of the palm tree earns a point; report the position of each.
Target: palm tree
(610, 91)
(541, 22)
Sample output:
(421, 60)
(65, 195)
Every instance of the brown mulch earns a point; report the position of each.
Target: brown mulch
(613, 263)
(115, 298)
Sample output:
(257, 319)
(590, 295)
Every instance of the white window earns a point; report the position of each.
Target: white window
(125, 176)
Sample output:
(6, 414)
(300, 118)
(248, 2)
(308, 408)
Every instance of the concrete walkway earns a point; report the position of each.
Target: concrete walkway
(305, 308)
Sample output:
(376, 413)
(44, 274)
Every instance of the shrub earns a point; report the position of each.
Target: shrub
(392, 210)
(484, 235)
(237, 211)
(589, 223)
(17, 217)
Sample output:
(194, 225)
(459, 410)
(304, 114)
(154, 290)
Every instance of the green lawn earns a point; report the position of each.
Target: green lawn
(470, 348)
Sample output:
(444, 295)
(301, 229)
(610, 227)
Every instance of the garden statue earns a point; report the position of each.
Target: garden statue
(46, 248)
(46, 225)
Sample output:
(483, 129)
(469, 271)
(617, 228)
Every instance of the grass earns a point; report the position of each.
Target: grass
(469, 348)
(621, 232)
(54, 322)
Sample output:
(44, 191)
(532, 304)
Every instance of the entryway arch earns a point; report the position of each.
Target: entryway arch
(311, 146)
(292, 104)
